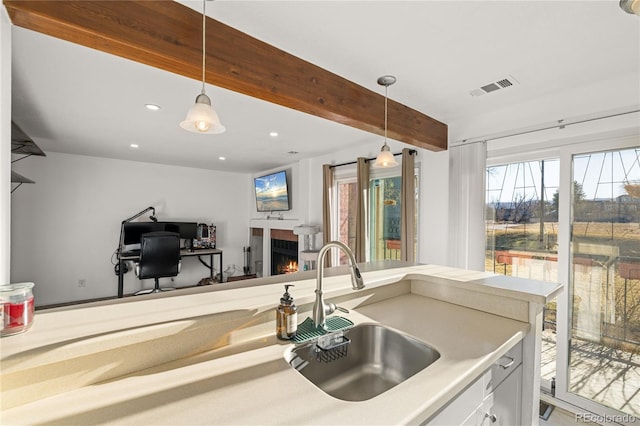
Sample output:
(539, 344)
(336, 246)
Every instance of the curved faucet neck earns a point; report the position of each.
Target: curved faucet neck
(321, 255)
(320, 309)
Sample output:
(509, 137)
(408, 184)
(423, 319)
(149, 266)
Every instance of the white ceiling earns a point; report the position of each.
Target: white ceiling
(569, 57)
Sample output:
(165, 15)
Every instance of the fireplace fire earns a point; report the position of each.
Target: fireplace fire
(290, 268)
(284, 252)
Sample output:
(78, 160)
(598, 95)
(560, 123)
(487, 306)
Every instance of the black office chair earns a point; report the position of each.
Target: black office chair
(159, 257)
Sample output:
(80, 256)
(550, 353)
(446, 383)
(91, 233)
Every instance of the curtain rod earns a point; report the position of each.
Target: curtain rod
(411, 151)
(560, 124)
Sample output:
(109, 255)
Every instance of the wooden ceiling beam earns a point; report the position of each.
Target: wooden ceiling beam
(168, 35)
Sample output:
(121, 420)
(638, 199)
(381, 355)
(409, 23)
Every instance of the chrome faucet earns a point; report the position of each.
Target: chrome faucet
(321, 309)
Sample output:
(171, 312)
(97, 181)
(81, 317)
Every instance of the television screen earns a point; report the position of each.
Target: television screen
(272, 193)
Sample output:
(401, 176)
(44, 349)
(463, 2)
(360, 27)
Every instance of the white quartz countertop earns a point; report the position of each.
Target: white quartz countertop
(257, 386)
(246, 380)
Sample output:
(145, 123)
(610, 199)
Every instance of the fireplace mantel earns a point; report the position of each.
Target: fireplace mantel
(287, 224)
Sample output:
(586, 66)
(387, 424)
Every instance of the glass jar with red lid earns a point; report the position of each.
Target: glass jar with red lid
(16, 308)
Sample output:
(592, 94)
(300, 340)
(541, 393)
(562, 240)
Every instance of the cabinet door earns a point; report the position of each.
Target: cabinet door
(462, 408)
(474, 418)
(502, 407)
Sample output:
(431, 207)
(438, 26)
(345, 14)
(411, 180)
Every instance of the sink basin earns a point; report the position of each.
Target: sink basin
(378, 358)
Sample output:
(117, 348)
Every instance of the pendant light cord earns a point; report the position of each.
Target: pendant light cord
(204, 17)
(386, 87)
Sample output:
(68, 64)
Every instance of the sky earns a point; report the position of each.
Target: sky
(602, 175)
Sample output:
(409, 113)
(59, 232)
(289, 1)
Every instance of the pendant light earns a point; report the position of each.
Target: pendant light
(385, 158)
(201, 117)
(630, 6)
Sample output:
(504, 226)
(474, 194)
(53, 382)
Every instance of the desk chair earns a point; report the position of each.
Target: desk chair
(159, 257)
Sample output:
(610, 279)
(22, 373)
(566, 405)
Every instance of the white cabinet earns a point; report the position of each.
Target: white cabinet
(494, 399)
(502, 407)
(462, 410)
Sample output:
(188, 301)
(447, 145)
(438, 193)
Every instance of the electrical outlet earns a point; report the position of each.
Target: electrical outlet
(82, 283)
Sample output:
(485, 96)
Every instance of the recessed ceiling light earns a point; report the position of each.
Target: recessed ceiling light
(152, 107)
(273, 134)
(222, 158)
(134, 145)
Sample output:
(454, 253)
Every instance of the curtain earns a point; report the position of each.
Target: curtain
(467, 174)
(327, 189)
(408, 207)
(362, 211)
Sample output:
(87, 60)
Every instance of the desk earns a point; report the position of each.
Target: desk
(183, 253)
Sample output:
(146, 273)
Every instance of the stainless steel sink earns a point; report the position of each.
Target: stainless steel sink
(378, 358)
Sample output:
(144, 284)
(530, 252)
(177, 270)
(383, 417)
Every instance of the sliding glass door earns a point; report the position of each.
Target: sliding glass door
(574, 218)
(604, 275)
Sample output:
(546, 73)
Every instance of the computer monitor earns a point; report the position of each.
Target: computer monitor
(188, 230)
(134, 230)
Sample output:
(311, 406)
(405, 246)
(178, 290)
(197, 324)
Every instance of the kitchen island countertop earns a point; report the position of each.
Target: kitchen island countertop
(216, 359)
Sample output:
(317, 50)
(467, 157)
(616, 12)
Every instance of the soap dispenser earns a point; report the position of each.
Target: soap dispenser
(286, 316)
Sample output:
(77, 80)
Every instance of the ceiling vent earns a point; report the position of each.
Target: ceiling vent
(503, 83)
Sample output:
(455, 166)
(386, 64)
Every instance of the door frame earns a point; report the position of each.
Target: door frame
(564, 270)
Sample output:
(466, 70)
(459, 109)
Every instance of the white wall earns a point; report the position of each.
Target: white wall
(5, 146)
(66, 226)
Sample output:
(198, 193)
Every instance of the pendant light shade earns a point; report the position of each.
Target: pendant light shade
(630, 6)
(385, 158)
(201, 117)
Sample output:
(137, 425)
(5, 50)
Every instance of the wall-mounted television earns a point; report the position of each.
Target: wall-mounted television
(272, 192)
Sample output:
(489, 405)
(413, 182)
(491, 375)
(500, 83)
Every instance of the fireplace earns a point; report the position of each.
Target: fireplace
(284, 252)
(274, 251)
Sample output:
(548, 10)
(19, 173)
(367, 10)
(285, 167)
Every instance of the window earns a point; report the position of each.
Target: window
(384, 218)
(385, 189)
(522, 233)
(346, 208)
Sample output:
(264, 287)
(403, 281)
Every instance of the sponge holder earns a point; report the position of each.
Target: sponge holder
(307, 331)
(334, 349)
(330, 342)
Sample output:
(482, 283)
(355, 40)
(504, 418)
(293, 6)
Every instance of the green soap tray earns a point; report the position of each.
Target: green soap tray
(307, 331)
